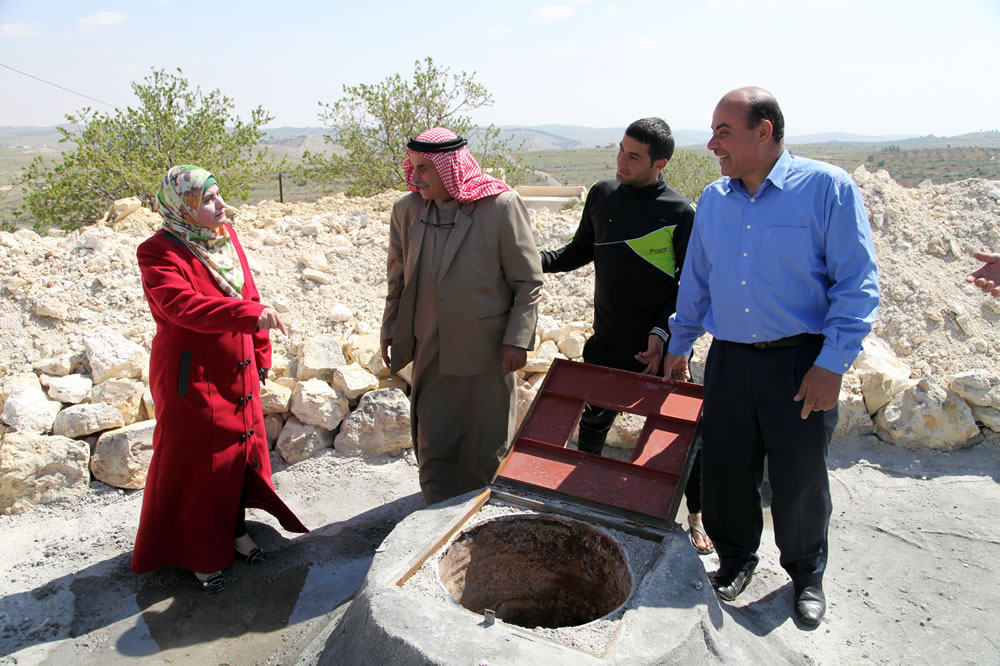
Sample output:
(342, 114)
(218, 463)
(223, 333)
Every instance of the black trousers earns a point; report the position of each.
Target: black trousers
(749, 413)
(596, 422)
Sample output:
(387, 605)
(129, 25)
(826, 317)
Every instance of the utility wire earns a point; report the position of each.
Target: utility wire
(56, 85)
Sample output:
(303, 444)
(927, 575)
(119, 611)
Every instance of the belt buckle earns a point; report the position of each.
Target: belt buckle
(760, 345)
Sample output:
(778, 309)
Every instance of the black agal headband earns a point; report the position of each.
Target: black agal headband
(436, 146)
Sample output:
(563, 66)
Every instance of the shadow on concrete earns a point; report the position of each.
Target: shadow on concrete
(981, 459)
(304, 578)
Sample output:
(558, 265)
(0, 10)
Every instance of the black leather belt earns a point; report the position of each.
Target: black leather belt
(790, 341)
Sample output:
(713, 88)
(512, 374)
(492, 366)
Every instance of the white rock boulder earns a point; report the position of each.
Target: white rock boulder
(379, 425)
(320, 355)
(300, 441)
(125, 395)
(314, 402)
(80, 420)
(977, 387)
(354, 381)
(71, 389)
(926, 414)
(121, 456)
(110, 354)
(274, 398)
(28, 409)
(882, 375)
(38, 469)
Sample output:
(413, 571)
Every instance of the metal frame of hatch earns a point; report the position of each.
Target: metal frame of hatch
(644, 491)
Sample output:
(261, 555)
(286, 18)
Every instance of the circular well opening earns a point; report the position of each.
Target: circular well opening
(537, 571)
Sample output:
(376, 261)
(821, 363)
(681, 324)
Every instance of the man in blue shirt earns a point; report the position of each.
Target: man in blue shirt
(781, 271)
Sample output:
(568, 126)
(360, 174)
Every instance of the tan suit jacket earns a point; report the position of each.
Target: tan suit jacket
(489, 284)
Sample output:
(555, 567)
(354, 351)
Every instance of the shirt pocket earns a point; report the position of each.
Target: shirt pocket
(786, 254)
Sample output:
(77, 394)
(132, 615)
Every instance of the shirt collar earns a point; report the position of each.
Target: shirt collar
(777, 175)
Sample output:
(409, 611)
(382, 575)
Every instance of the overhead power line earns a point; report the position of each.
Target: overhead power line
(56, 85)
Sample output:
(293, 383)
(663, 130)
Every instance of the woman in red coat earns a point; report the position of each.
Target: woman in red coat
(210, 353)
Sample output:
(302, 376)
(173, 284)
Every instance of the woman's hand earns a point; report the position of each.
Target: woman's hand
(269, 319)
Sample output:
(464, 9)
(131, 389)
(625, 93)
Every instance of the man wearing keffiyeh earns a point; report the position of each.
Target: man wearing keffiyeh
(464, 281)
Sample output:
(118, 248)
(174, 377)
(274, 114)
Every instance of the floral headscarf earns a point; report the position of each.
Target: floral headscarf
(456, 166)
(178, 201)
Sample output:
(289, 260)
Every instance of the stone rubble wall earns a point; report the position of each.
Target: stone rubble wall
(77, 331)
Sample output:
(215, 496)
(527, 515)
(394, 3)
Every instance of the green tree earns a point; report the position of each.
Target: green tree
(126, 153)
(372, 123)
(689, 172)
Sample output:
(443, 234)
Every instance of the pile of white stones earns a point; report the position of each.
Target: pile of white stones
(76, 330)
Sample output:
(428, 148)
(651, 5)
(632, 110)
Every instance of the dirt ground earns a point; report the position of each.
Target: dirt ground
(914, 565)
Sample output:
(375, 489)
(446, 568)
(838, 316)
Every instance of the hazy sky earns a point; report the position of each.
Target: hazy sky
(863, 66)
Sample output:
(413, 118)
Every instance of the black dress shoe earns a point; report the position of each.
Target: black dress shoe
(729, 583)
(810, 604)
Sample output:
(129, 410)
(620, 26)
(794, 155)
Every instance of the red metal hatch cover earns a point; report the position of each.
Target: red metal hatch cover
(650, 483)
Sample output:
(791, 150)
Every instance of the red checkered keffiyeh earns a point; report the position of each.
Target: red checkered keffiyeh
(458, 169)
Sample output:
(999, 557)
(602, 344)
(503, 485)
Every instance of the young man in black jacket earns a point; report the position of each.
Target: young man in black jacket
(635, 228)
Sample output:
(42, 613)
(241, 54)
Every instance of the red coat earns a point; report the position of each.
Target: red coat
(209, 443)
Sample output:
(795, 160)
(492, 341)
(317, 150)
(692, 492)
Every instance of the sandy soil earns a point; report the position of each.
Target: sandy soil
(915, 547)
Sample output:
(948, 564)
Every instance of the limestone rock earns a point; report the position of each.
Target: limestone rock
(315, 260)
(541, 358)
(121, 457)
(51, 306)
(273, 423)
(353, 380)
(38, 469)
(72, 389)
(626, 430)
(122, 208)
(300, 441)
(148, 407)
(14, 382)
(340, 313)
(320, 355)
(853, 416)
(882, 374)
(316, 276)
(125, 395)
(28, 409)
(59, 366)
(380, 425)
(989, 417)
(977, 387)
(572, 345)
(79, 420)
(367, 351)
(274, 398)
(110, 354)
(926, 414)
(314, 402)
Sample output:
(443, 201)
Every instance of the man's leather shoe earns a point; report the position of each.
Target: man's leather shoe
(810, 604)
(729, 583)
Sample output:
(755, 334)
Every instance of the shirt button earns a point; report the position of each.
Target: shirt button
(753, 199)
(744, 254)
(754, 335)
(746, 310)
(743, 282)
(847, 365)
(748, 226)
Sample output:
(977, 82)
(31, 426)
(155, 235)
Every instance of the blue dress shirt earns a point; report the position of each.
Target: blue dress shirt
(796, 257)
